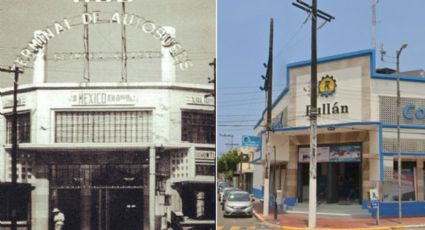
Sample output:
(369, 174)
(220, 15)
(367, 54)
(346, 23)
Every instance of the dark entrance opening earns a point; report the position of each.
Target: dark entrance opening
(337, 182)
(100, 209)
(126, 209)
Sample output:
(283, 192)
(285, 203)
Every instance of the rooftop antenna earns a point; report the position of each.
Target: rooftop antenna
(373, 41)
(382, 52)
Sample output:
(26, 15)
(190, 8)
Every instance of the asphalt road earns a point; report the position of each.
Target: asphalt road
(240, 223)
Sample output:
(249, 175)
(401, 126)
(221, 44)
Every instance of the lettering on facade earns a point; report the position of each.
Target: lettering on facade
(8, 103)
(205, 155)
(42, 37)
(277, 122)
(199, 100)
(411, 111)
(327, 109)
(103, 99)
(76, 1)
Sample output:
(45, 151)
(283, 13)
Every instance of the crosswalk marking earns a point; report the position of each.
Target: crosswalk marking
(236, 228)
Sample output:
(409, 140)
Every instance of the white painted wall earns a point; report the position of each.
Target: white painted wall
(258, 177)
(348, 92)
(166, 105)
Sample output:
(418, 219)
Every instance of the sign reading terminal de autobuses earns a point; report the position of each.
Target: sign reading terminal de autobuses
(102, 0)
(42, 37)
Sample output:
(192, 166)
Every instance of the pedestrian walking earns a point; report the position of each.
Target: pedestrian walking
(58, 219)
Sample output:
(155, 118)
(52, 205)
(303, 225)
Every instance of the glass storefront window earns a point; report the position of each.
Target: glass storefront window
(408, 193)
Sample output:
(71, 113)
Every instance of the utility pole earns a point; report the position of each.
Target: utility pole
(231, 144)
(123, 48)
(214, 81)
(13, 198)
(86, 76)
(312, 202)
(398, 133)
(268, 86)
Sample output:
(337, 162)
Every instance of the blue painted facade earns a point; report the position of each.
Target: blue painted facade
(388, 209)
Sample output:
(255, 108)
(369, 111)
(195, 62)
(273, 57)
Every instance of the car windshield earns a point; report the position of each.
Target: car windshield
(228, 191)
(238, 197)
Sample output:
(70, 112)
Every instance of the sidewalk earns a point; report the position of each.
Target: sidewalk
(296, 221)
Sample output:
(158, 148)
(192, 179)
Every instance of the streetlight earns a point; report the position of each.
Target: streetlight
(398, 133)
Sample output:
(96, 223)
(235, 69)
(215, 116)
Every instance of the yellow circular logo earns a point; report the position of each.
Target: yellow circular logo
(327, 86)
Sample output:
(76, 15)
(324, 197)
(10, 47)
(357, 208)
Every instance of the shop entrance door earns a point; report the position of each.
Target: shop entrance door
(98, 197)
(100, 209)
(337, 182)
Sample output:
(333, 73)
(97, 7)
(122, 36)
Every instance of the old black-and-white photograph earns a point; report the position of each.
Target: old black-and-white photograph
(107, 114)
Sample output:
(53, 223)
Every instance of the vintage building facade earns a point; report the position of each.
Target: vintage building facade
(114, 155)
(357, 148)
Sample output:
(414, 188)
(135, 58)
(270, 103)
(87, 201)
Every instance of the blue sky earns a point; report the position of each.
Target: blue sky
(243, 33)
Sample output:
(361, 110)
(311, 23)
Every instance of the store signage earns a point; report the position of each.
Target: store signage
(42, 37)
(327, 86)
(328, 108)
(411, 111)
(205, 155)
(374, 198)
(8, 103)
(251, 141)
(199, 100)
(102, 98)
(277, 122)
(334, 153)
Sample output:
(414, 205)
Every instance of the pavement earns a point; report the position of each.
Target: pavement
(240, 223)
(300, 221)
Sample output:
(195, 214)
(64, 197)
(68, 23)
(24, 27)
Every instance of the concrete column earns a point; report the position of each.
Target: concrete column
(40, 204)
(85, 204)
(39, 74)
(292, 170)
(152, 156)
(168, 69)
(85, 200)
(200, 204)
(420, 179)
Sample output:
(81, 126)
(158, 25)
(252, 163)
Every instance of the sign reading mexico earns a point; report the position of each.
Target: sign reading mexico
(42, 37)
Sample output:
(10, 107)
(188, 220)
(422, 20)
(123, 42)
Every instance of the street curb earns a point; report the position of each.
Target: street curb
(398, 227)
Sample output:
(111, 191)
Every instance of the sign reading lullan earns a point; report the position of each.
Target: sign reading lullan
(42, 37)
(328, 108)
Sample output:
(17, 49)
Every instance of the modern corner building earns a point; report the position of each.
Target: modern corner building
(136, 155)
(357, 135)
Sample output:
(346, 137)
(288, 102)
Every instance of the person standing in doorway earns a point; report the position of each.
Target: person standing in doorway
(58, 219)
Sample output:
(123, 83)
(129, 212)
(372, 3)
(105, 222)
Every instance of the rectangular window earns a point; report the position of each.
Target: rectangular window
(198, 127)
(23, 128)
(103, 127)
(407, 183)
(205, 170)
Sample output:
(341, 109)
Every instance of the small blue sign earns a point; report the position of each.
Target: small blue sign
(375, 203)
(251, 141)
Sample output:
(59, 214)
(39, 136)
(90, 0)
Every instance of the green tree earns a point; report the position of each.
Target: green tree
(228, 162)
